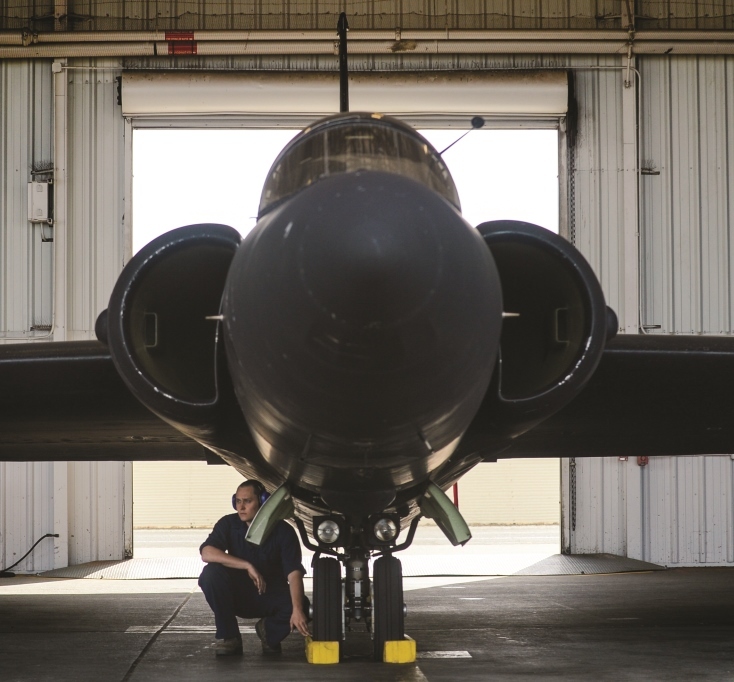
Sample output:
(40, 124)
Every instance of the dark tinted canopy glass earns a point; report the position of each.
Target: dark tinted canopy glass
(355, 141)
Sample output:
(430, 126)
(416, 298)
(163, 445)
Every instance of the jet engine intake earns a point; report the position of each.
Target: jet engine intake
(161, 323)
(555, 324)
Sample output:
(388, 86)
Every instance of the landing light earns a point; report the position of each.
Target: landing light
(386, 530)
(328, 531)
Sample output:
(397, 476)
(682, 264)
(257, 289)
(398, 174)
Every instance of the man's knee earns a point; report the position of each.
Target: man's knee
(211, 574)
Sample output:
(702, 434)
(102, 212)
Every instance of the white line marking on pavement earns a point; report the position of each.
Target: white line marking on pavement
(185, 629)
(443, 654)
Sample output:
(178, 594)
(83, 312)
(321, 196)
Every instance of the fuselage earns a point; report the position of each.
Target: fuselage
(361, 322)
(361, 319)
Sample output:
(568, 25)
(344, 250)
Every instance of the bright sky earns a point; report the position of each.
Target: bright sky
(182, 177)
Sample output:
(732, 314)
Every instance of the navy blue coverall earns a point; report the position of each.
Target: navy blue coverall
(231, 592)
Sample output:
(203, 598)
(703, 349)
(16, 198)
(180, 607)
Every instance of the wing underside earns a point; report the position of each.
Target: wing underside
(66, 401)
(651, 395)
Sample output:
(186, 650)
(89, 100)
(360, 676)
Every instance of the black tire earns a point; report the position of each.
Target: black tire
(327, 600)
(388, 621)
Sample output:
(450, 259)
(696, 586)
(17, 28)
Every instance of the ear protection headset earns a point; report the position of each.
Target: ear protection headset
(259, 489)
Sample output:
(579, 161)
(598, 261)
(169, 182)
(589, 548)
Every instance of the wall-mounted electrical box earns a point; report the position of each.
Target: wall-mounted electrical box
(38, 194)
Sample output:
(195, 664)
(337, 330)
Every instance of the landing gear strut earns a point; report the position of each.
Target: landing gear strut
(348, 604)
(357, 589)
(378, 605)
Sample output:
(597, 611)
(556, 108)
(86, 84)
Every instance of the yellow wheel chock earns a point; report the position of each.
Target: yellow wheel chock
(322, 653)
(399, 651)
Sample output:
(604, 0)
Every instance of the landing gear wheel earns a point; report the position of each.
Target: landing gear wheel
(327, 600)
(388, 621)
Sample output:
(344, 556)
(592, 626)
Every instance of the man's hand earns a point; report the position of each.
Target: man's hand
(256, 578)
(298, 617)
(298, 622)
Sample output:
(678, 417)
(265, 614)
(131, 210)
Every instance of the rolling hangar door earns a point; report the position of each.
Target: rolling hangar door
(510, 492)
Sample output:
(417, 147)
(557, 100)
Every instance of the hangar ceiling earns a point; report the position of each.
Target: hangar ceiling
(106, 15)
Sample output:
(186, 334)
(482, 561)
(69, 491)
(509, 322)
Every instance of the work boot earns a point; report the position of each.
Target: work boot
(267, 649)
(229, 647)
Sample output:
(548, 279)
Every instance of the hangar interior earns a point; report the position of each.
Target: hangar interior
(642, 94)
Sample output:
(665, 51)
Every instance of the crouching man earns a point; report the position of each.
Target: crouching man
(250, 581)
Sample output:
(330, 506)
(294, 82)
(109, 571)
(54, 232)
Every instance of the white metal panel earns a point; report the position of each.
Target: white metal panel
(687, 140)
(96, 511)
(81, 501)
(25, 141)
(596, 180)
(96, 209)
(27, 514)
(27, 500)
(99, 527)
(687, 521)
(597, 506)
(681, 512)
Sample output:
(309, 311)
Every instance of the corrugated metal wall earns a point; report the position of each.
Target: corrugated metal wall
(674, 511)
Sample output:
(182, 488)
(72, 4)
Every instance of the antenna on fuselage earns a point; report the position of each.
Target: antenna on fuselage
(477, 122)
(342, 27)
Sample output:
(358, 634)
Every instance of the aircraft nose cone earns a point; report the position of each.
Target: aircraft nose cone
(362, 309)
(368, 273)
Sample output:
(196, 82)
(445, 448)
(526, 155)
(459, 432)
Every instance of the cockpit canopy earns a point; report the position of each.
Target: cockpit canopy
(355, 141)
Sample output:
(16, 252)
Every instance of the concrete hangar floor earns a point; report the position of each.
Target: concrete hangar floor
(645, 625)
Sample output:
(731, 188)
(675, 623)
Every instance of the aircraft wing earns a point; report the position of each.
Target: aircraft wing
(650, 395)
(66, 401)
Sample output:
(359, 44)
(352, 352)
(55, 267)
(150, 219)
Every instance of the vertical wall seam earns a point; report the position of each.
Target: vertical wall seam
(727, 184)
(671, 227)
(699, 182)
